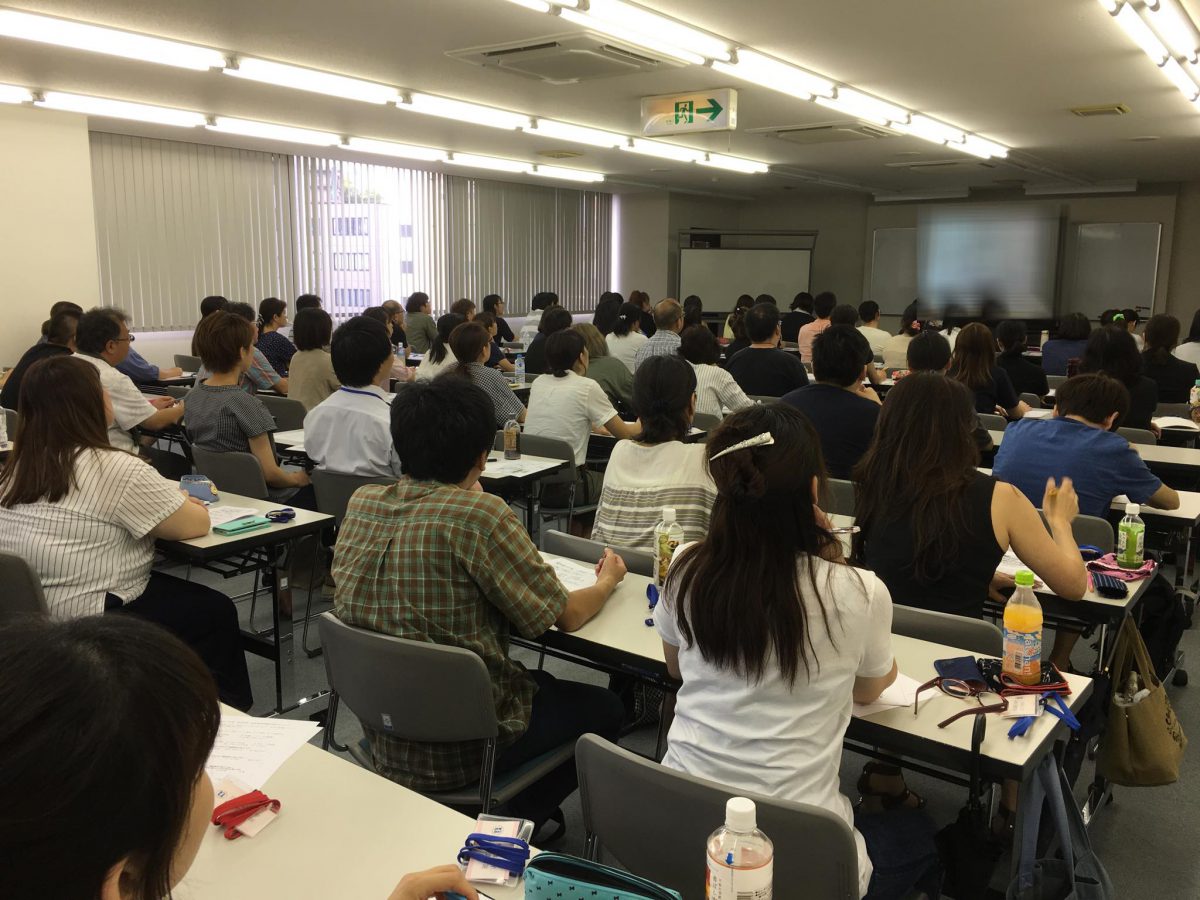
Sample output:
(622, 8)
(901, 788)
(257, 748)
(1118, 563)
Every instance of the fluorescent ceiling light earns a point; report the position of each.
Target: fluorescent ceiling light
(1174, 26)
(488, 162)
(664, 151)
(862, 106)
(981, 147)
(578, 134)
(778, 76)
(120, 109)
(79, 36)
(535, 5)
(627, 18)
(467, 113)
(734, 164)
(929, 130)
(628, 36)
(1181, 79)
(400, 151)
(932, 195)
(303, 79)
(1137, 29)
(1111, 6)
(566, 174)
(10, 93)
(1107, 187)
(270, 131)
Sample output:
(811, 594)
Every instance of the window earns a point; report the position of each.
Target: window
(351, 262)
(351, 298)
(351, 226)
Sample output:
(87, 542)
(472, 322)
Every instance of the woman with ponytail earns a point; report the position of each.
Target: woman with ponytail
(439, 358)
(626, 337)
(272, 315)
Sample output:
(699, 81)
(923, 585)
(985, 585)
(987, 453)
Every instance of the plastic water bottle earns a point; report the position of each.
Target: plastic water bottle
(741, 859)
(1023, 632)
(3, 428)
(512, 439)
(519, 365)
(1194, 395)
(668, 535)
(1131, 538)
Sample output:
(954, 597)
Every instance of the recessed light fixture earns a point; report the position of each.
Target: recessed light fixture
(395, 150)
(271, 131)
(462, 111)
(303, 79)
(121, 109)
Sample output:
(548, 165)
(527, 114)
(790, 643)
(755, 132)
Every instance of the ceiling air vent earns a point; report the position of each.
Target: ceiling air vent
(1106, 109)
(829, 133)
(565, 58)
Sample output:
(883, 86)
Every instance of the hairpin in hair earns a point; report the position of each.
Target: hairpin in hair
(759, 440)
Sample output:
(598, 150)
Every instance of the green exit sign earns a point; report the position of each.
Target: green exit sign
(686, 113)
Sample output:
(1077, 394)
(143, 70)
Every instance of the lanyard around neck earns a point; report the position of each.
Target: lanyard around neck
(363, 393)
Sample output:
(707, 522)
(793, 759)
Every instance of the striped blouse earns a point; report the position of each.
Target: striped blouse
(716, 391)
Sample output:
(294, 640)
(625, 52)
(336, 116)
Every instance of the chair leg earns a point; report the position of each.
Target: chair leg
(591, 847)
(487, 775)
(308, 603)
(330, 722)
(254, 597)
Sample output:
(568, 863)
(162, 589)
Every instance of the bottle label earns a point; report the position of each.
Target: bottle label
(728, 883)
(666, 550)
(1130, 544)
(1022, 653)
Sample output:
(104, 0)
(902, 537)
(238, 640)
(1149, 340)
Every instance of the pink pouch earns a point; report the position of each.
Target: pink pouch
(1107, 565)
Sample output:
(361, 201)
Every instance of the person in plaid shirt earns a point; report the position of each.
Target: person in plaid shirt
(433, 558)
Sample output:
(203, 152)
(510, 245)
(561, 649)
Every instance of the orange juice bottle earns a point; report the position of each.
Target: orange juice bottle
(1023, 632)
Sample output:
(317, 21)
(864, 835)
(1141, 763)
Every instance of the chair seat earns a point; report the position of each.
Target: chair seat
(554, 512)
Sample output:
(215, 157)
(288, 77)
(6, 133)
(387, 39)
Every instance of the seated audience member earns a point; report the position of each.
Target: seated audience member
(868, 311)
(144, 717)
(419, 559)
(395, 314)
(608, 371)
(762, 369)
(494, 304)
(737, 325)
(744, 302)
(934, 528)
(641, 300)
(311, 301)
(439, 358)
(842, 409)
(464, 308)
(496, 357)
(134, 365)
(895, 351)
(930, 351)
(766, 298)
(1027, 377)
(1128, 319)
(223, 418)
(275, 346)
(668, 324)
(422, 330)
(1112, 351)
(812, 636)
(59, 306)
(1174, 377)
(656, 469)
(311, 376)
(974, 364)
(400, 372)
(208, 306)
(800, 314)
(350, 431)
(823, 306)
(1067, 344)
(693, 311)
(553, 320)
(261, 376)
(844, 314)
(567, 405)
(85, 517)
(58, 339)
(1078, 443)
(531, 327)
(716, 390)
(1189, 350)
(102, 339)
(608, 310)
(626, 337)
(471, 345)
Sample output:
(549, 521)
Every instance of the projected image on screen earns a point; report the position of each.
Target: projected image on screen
(988, 261)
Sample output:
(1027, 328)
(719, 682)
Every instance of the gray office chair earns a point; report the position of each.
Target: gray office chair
(1182, 410)
(639, 562)
(961, 632)
(705, 422)
(418, 691)
(652, 819)
(553, 448)
(839, 497)
(993, 423)
(1090, 530)
(11, 419)
(22, 594)
(763, 399)
(1054, 382)
(177, 391)
(1137, 435)
(289, 414)
(1033, 401)
(187, 363)
(235, 473)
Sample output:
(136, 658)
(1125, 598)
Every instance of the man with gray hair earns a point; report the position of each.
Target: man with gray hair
(668, 322)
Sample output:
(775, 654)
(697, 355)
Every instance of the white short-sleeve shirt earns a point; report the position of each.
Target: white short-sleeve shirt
(130, 408)
(350, 432)
(567, 408)
(95, 540)
(625, 347)
(771, 737)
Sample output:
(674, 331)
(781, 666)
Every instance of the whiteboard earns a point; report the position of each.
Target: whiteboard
(1115, 266)
(894, 268)
(719, 277)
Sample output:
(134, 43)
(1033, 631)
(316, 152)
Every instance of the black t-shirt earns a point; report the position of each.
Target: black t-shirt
(998, 392)
(1174, 377)
(535, 355)
(791, 323)
(734, 347)
(1143, 398)
(760, 371)
(845, 423)
(503, 331)
(648, 327)
(36, 353)
(1026, 376)
(399, 337)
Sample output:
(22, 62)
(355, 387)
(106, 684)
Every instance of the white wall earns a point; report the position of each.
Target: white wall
(641, 258)
(47, 228)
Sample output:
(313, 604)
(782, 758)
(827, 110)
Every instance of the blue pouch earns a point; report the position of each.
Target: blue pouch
(552, 875)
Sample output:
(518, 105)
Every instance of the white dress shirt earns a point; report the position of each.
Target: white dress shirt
(350, 432)
(130, 408)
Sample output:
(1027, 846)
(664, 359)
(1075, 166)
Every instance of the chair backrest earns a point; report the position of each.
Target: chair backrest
(551, 448)
(639, 562)
(839, 497)
(964, 633)
(334, 490)
(11, 418)
(763, 399)
(413, 690)
(1090, 530)
(235, 473)
(177, 391)
(705, 421)
(993, 423)
(1182, 410)
(1137, 435)
(1033, 401)
(22, 594)
(1055, 381)
(187, 363)
(652, 819)
(289, 414)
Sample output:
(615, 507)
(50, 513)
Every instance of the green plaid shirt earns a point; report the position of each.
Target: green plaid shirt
(432, 562)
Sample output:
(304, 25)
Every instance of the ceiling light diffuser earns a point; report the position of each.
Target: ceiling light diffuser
(578, 134)
(10, 93)
(488, 162)
(629, 36)
(535, 5)
(1137, 29)
(981, 147)
(393, 149)
(734, 164)
(565, 174)
(863, 106)
(1174, 27)
(1181, 79)
(664, 150)
(634, 19)
(303, 79)
(121, 109)
(270, 131)
(467, 113)
(778, 76)
(111, 41)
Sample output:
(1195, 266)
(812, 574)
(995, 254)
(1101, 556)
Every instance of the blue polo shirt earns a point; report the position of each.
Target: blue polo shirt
(1101, 464)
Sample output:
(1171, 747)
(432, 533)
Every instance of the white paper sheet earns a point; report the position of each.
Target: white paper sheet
(1176, 422)
(573, 574)
(252, 750)
(220, 515)
(289, 438)
(901, 692)
(1011, 562)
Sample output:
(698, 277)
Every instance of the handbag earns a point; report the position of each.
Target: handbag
(1143, 742)
(553, 875)
(1078, 875)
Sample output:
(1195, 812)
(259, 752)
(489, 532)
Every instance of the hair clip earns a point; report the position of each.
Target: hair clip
(759, 440)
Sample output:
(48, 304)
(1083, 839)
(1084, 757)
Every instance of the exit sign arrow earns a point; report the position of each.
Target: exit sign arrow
(713, 110)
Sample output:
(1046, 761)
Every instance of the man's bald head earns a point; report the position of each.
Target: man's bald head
(668, 315)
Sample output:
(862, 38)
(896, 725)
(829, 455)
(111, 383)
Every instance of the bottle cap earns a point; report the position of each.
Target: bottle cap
(1023, 578)
(668, 515)
(1198, 382)
(1132, 509)
(740, 814)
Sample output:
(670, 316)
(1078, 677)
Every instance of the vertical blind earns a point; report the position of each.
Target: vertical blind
(176, 222)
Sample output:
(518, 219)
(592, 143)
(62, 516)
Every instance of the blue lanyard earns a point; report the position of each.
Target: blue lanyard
(363, 393)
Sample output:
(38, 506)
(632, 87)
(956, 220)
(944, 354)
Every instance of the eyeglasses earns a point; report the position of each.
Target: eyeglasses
(956, 687)
(129, 339)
